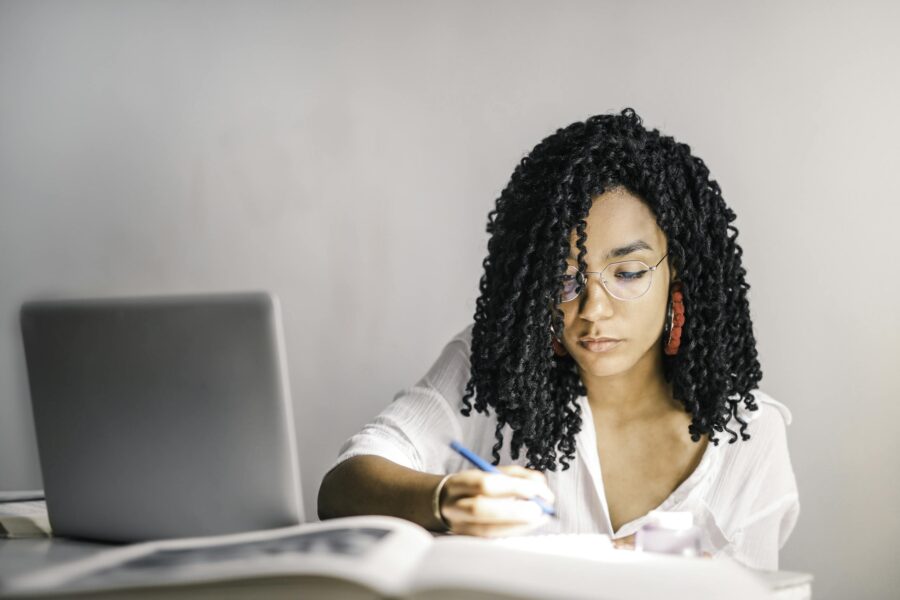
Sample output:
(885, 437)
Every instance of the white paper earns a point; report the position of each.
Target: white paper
(377, 552)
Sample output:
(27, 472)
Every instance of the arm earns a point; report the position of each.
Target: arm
(372, 485)
(766, 526)
(389, 467)
(758, 543)
(473, 502)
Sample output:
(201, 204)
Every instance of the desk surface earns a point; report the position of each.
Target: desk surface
(19, 556)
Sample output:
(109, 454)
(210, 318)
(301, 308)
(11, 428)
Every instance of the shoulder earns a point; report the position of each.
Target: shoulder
(767, 447)
(454, 355)
(754, 474)
(770, 412)
(449, 373)
(448, 380)
(767, 428)
(464, 336)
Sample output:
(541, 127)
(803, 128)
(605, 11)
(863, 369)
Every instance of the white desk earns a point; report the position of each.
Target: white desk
(24, 555)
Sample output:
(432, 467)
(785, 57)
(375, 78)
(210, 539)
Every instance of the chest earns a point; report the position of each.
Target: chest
(641, 468)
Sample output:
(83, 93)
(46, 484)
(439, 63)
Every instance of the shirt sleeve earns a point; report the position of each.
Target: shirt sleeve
(416, 428)
(775, 509)
(759, 541)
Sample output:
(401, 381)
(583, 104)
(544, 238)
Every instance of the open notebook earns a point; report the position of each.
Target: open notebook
(384, 557)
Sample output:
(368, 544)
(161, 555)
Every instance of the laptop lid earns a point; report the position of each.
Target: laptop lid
(162, 417)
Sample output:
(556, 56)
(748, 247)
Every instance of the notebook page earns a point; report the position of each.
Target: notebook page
(559, 544)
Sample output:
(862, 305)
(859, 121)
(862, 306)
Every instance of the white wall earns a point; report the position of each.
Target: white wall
(334, 152)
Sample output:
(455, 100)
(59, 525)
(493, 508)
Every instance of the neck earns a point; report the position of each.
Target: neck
(641, 393)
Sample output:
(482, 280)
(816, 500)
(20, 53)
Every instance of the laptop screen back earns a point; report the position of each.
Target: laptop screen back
(162, 417)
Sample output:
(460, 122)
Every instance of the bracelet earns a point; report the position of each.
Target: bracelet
(436, 502)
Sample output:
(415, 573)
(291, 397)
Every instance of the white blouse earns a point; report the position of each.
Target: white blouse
(743, 496)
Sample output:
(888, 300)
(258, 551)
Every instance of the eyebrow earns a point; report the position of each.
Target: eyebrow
(624, 250)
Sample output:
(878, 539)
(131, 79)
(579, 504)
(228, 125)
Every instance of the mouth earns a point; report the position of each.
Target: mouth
(599, 344)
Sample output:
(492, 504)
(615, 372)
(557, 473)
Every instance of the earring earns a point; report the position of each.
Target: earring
(675, 320)
(558, 348)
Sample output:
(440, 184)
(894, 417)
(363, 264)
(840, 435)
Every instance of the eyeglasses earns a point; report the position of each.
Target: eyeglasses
(629, 279)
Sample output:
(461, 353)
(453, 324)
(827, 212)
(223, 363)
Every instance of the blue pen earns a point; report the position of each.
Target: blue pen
(486, 466)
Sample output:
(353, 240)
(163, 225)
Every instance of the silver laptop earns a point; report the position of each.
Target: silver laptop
(162, 417)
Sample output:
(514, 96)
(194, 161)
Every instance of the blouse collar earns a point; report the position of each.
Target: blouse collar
(586, 444)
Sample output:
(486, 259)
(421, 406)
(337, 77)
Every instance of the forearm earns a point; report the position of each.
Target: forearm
(372, 485)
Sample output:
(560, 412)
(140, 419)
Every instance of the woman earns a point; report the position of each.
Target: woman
(611, 344)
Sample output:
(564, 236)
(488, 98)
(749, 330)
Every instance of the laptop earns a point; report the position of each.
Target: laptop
(162, 417)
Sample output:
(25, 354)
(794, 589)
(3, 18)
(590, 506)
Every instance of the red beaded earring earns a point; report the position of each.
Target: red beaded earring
(558, 348)
(675, 320)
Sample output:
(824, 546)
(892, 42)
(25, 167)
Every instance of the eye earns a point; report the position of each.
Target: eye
(630, 275)
(631, 270)
(570, 282)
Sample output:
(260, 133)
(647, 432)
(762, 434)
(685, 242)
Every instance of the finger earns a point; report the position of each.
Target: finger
(488, 509)
(625, 543)
(520, 471)
(474, 482)
(536, 476)
(496, 484)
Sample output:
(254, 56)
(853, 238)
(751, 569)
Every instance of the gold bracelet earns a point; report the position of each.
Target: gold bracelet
(436, 502)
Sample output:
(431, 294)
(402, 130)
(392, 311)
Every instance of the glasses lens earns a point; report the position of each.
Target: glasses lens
(628, 280)
(571, 284)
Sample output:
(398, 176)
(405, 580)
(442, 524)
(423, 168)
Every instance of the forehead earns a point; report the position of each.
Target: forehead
(617, 218)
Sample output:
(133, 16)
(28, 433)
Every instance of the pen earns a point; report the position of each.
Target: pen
(486, 466)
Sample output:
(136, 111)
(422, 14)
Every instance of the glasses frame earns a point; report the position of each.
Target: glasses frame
(584, 275)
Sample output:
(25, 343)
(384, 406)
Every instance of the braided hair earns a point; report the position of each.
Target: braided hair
(513, 367)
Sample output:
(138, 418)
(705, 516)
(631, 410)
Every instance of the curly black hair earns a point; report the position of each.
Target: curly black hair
(513, 367)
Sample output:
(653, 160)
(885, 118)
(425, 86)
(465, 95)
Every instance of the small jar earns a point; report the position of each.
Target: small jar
(669, 532)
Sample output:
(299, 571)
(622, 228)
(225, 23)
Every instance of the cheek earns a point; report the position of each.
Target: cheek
(653, 314)
(657, 320)
(640, 320)
(570, 313)
(644, 325)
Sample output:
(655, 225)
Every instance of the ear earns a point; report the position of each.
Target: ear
(673, 272)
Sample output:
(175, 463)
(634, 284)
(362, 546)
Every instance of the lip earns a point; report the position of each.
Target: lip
(599, 345)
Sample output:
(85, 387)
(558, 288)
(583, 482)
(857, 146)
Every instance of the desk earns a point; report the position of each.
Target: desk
(24, 555)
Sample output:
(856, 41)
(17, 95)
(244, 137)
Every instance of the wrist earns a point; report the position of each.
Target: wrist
(436, 503)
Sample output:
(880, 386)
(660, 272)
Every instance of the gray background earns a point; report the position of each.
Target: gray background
(345, 155)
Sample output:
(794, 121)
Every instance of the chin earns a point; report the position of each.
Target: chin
(599, 365)
(605, 372)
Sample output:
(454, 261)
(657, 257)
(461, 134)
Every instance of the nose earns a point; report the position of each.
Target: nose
(596, 303)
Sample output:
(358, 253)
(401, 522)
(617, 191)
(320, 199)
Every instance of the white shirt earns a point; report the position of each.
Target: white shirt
(743, 496)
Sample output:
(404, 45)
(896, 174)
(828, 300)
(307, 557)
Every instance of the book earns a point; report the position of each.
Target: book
(23, 516)
(385, 557)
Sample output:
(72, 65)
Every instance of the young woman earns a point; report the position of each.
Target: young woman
(611, 345)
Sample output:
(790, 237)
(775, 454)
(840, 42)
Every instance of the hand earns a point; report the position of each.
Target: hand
(625, 543)
(484, 504)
